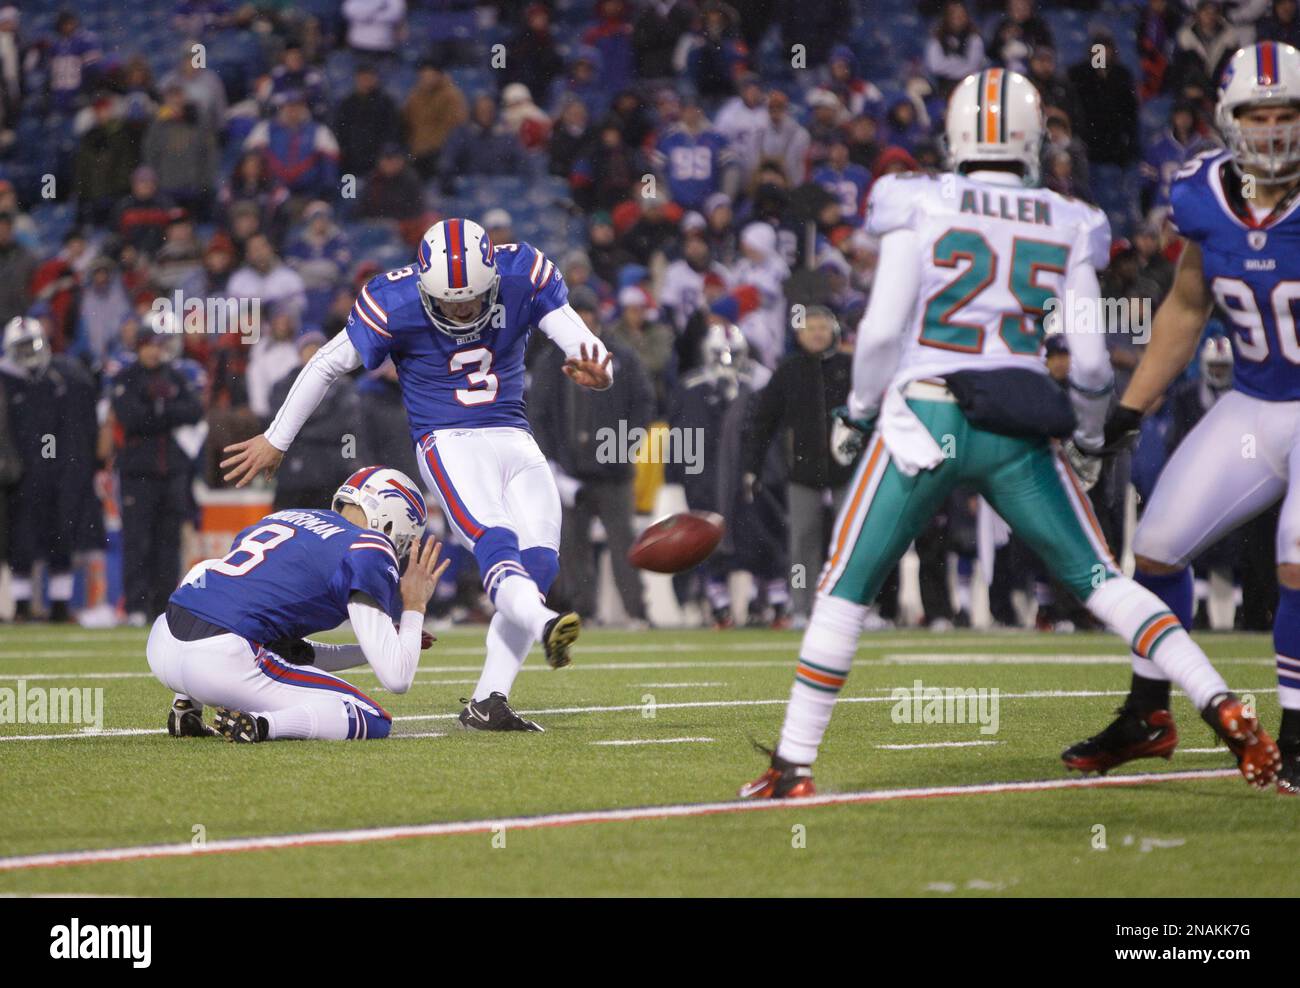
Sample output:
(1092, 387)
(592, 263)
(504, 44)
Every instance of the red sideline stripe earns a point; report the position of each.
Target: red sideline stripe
(453, 828)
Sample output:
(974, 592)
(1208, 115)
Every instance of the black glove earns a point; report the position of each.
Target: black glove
(1121, 432)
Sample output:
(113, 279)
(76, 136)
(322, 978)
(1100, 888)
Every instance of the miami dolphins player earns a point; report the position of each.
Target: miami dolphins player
(233, 632)
(456, 324)
(1237, 209)
(950, 383)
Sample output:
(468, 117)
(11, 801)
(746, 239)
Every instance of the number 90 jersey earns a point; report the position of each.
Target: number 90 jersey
(291, 575)
(992, 259)
(472, 381)
(1251, 266)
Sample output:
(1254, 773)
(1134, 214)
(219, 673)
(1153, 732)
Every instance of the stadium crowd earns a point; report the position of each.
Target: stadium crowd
(704, 168)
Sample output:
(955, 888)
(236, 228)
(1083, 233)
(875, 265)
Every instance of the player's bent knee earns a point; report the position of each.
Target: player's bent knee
(1145, 564)
(543, 565)
(365, 724)
(1288, 575)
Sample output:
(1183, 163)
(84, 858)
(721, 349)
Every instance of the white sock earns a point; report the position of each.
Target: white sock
(518, 598)
(1155, 635)
(20, 587)
(824, 660)
(329, 723)
(60, 587)
(1146, 668)
(507, 647)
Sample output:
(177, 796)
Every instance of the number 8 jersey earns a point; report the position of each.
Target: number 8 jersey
(992, 258)
(470, 382)
(1251, 263)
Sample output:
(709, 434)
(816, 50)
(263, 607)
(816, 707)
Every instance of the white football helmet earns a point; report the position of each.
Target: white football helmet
(995, 116)
(457, 263)
(1266, 74)
(391, 502)
(25, 345)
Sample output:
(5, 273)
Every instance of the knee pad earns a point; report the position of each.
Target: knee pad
(542, 564)
(366, 724)
(497, 554)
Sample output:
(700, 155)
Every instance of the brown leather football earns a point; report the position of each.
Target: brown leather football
(677, 542)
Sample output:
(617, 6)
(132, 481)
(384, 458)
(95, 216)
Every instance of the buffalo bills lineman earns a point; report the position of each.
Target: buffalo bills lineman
(1237, 210)
(456, 324)
(232, 635)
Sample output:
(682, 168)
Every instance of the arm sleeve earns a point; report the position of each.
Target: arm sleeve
(1091, 378)
(330, 362)
(567, 331)
(880, 333)
(393, 654)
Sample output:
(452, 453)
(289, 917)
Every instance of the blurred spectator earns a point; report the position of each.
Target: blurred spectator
(393, 190)
(1108, 99)
(715, 53)
(611, 36)
(72, 60)
(1158, 23)
(656, 32)
(499, 226)
(178, 265)
(904, 127)
(523, 118)
(299, 153)
(719, 228)
(815, 25)
(321, 255)
(847, 182)
(481, 147)
(691, 157)
(203, 87)
(578, 430)
(571, 141)
(797, 403)
(104, 307)
(1017, 35)
(1178, 142)
(758, 292)
(825, 126)
(143, 216)
(864, 148)
(581, 80)
(955, 48)
(252, 190)
(638, 328)
(1203, 47)
(1282, 23)
(310, 473)
(266, 278)
(434, 109)
(608, 256)
(1061, 140)
(151, 398)
(741, 120)
(683, 291)
(273, 356)
(655, 230)
(182, 152)
(367, 119)
(106, 155)
(532, 57)
(11, 64)
(614, 170)
(1052, 86)
(375, 26)
(294, 75)
(857, 95)
(782, 138)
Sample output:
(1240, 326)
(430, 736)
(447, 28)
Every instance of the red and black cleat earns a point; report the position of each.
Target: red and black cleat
(783, 780)
(1257, 754)
(1130, 736)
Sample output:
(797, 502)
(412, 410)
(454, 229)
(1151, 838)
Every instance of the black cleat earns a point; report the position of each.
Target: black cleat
(242, 728)
(494, 714)
(561, 631)
(185, 720)
(1288, 776)
(1131, 735)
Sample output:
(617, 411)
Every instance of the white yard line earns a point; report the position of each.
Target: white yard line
(620, 743)
(671, 811)
(673, 686)
(620, 708)
(936, 744)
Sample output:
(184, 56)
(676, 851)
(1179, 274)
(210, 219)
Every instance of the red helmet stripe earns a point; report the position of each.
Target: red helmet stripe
(456, 277)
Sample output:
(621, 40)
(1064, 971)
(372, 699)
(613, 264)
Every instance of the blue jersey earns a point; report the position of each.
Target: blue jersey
(1252, 268)
(467, 382)
(850, 187)
(693, 164)
(291, 575)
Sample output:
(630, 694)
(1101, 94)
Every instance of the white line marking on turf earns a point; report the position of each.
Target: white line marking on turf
(1033, 695)
(1222, 750)
(671, 811)
(675, 686)
(660, 741)
(936, 744)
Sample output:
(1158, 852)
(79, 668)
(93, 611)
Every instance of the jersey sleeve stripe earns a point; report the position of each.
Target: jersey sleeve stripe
(375, 308)
(548, 269)
(536, 269)
(361, 314)
(374, 545)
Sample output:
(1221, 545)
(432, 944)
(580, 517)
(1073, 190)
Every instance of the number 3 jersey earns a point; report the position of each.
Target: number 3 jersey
(1251, 264)
(473, 381)
(992, 256)
(291, 575)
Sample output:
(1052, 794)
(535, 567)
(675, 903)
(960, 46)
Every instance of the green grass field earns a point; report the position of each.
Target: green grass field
(1189, 837)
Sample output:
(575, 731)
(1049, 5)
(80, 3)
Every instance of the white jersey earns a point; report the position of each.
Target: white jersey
(991, 257)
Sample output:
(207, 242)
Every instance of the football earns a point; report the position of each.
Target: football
(677, 542)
